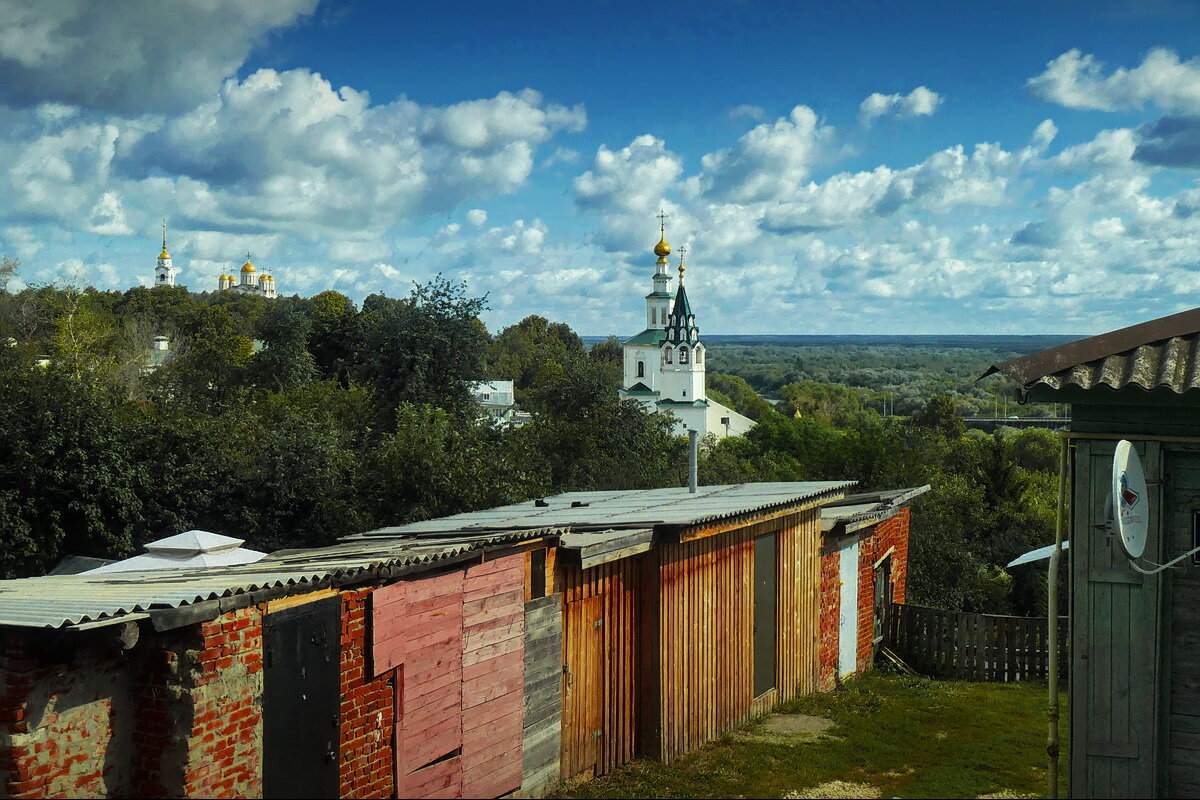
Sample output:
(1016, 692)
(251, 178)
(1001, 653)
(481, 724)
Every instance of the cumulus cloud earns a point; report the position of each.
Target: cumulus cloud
(133, 56)
(920, 102)
(626, 188)
(768, 162)
(276, 151)
(1077, 80)
(1109, 149)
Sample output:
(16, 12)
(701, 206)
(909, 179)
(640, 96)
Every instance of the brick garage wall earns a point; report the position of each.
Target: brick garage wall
(65, 725)
(868, 547)
(367, 712)
(830, 607)
(222, 688)
(893, 533)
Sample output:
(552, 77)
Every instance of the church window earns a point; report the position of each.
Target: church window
(668, 352)
(683, 355)
(699, 356)
(641, 369)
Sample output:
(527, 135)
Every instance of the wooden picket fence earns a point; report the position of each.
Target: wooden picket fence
(975, 647)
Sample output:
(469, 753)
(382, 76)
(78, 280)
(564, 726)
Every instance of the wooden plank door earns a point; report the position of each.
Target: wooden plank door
(765, 624)
(417, 631)
(848, 610)
(583, 699)
(301, 700)
(1115, 655)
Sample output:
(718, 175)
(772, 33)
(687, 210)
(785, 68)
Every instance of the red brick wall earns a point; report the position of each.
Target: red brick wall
(64, 732)
(891, 534)
(830, 606)
(367, 714)
(224, 754)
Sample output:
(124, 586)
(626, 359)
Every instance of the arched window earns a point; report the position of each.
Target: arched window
(641, 369)
(668, 352)
(699, 355)
(683, 354)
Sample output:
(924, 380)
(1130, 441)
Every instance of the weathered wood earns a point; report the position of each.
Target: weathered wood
(980, 647)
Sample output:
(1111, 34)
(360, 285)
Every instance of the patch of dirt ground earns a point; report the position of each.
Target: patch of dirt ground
(787, 729)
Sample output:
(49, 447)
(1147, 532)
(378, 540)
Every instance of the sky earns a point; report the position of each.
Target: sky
(832, 168)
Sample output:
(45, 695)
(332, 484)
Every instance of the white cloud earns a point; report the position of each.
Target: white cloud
(131, 56)
(1109, 149)
(768, 162)
(274, 152)
(477, 216)
(920, 102)
(1076, 80)
(626, 188)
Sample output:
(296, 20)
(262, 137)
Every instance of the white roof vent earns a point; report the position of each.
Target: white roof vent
(189, 550)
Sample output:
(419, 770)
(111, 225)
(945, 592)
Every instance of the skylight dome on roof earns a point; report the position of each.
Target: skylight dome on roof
(188, 550)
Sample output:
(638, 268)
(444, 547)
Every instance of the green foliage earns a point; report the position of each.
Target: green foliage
(524, 352)
(8, 268)
(426, 348)
(827, 403)
(940, 414)
(735, 393)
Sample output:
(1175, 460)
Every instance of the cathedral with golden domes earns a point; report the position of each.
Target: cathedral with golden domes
(664, 364)
(251, 280)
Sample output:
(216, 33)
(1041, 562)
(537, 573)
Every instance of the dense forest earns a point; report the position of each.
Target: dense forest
(295, 421)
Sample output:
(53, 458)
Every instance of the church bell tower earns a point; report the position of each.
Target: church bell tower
(164, 272)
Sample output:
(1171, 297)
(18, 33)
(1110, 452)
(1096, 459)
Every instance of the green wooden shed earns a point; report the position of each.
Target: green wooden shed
(1135, 638)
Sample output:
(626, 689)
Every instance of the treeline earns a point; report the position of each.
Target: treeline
(292, 422)
(892, 379)
(288, 423)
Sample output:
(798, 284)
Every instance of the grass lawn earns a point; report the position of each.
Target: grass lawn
(908, 737)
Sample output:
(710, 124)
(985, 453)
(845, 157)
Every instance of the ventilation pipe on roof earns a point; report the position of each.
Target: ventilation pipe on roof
(693, 460)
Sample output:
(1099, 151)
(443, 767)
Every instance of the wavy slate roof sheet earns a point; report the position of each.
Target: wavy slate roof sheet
(1162, 354)
(632, 508)
(55, 601)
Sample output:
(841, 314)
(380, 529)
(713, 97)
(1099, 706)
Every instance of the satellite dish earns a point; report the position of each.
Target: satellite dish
(1130, 502)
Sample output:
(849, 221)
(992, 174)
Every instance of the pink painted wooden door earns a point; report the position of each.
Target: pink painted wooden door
(493, 689)
(418, 632)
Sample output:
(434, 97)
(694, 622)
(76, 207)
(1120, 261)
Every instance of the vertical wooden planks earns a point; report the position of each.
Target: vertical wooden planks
(493, 677)
(543, 694)
(601, 634)
(419, 623)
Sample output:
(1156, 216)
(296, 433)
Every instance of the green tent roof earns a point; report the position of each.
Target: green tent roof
(648, 336)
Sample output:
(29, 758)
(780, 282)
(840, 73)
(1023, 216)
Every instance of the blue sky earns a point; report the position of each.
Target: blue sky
(870, 167)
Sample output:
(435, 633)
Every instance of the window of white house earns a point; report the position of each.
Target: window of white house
(641, 369)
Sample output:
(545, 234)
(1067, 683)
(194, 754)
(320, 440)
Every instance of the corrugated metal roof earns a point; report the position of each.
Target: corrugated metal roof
(854, 511)
(55, 601)
(1159, 354)
(625, 509)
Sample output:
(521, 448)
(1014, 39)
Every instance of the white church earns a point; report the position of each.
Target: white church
(664, 364)
(251, 282)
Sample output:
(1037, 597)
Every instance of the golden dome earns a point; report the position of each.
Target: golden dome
(268, 278)
(247, 267)
(164, 254)
(662, 249)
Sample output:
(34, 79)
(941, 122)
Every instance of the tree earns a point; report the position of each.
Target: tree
(523, 352)
(741, 396)
(334, 334)
(425, 349)
(284, 362)
(585, 437)
(211, 362)
(8, 268)
(940, 414)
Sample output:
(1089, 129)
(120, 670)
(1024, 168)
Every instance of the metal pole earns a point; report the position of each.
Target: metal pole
(693, 461)
(1052, 632)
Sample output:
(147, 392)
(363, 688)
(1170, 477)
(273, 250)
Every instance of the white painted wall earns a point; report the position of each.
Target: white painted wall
(848, 610)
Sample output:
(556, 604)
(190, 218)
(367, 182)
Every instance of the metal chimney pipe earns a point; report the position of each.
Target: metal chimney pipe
(693, 461)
